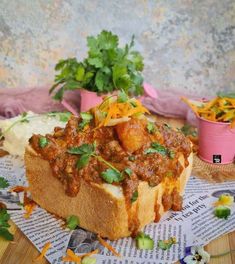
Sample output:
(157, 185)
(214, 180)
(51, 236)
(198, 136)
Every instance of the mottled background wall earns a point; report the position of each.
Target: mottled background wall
(188, 45)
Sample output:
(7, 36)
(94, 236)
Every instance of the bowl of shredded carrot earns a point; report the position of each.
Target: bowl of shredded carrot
(216, 128)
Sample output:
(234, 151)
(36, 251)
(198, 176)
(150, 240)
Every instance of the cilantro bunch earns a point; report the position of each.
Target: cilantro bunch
(107, 68)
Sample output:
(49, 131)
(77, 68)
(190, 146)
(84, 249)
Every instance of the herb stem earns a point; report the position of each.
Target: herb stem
(13, 124)
(106, 162)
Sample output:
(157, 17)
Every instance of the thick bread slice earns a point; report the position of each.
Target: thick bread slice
(100, 208)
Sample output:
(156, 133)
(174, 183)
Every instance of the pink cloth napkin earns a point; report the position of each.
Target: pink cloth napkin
(37, 99)
(16, 101)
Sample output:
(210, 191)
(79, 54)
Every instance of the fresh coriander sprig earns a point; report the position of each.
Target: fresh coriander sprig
(158, 148)
(3, 183)
(87, 151)
(72, 222)
(107, 68)
(4, 226)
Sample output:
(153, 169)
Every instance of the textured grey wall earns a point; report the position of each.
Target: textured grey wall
(188, 45)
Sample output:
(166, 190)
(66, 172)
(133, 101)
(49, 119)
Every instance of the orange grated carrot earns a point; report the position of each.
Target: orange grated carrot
(18, 189)
(29, 206)
(29, 209)
(44, 251)
(109, 247)
(71, 256)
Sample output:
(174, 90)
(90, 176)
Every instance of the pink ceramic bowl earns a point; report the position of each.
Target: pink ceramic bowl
(216, 141)
(89, 99)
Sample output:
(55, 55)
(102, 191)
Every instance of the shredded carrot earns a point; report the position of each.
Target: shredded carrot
(29, 206)
(18, 189)
(44, 251)
(71, 256)
(216, 110)
(109, 247)
(29, 209)
(111, 110)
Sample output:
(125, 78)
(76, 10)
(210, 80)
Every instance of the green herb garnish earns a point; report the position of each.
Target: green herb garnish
(222, 212)
(3, 183)
(158, 148)
(111, 176)
(151, 127)
(24, 118)
(4, 218)
(122, 97)
(88, 260)
(63, 116)
(134, 196)
(131, 158)
(171, 154)
(128, 171)
(166, 244)
(72, 222)
(188, 130)
(86, 151)
(107, 68)
(83, 149)
(43, 142)
(144, 241)
(86, 118)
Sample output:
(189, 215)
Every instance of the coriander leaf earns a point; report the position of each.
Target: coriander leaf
(131, 158)
(171, 154)
(156, 148)
(144, 241)
(83, 149)
(59, 94)
(188, 130)
(134, 196)
(128, 171)
(137, 60)
(82, 124)
(222, 212)
(107, 40)
(151, 127)
(6, 234)
(166, 244)
(122, 97)
(72, 222)
(60, 65)
(63, 116)
(24, 118)
(4, 217)
(83, 161)
(80, 73)
(111, 175)
(86, 116)
(97, 62)
(99, 80)
(43, 142)
(3, 183)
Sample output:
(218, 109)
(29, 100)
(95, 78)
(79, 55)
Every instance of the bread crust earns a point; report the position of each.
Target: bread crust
(99, 208)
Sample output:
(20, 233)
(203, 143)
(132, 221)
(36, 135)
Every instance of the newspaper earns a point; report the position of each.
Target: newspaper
(194, 225)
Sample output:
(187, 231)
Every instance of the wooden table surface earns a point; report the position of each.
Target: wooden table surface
(22, 251)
